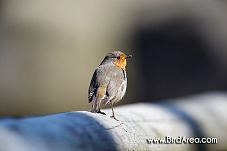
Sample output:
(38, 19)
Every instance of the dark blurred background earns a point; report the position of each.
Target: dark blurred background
(50, 49)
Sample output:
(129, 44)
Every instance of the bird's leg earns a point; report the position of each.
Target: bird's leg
(98, 108)
(94, 111)
(113, 116)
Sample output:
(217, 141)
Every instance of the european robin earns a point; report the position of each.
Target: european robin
(109, 81)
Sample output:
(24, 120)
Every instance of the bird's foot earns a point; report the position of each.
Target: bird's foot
(114, 117)
(99, 111)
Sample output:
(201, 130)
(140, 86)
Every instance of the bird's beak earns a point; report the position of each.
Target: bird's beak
(129, 56)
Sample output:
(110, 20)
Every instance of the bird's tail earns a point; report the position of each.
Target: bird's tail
(98, 99)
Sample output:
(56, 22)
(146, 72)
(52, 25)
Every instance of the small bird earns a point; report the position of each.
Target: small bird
(109, 81)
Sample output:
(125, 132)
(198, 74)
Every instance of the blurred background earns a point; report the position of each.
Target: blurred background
(50, 49)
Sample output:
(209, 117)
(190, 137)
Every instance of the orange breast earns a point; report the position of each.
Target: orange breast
(121, 62)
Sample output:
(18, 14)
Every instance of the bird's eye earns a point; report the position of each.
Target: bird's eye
(118, 57)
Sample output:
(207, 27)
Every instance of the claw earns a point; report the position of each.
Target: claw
(114, 117)
(99, 111)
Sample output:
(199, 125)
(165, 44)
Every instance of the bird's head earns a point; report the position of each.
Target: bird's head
(118, 58)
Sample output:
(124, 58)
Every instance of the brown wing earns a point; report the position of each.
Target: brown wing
(93, 87)
(101, 77)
